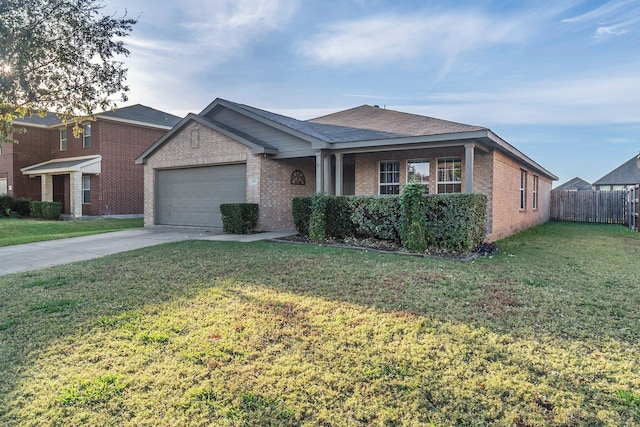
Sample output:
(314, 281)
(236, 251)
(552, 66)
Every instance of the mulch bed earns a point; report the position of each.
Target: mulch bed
(387, 246)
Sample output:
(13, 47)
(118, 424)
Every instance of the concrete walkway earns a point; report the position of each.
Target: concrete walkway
(34, 256)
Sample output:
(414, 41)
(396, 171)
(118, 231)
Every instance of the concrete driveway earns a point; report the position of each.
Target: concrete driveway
(34, 256)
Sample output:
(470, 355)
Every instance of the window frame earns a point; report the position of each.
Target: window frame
(523, 190)
(86, 136)
(86, 189)
(534, 193)
(63, 140)
(422, 181)
(447, 172)
(394, 173)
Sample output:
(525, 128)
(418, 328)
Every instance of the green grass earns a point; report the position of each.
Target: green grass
(18, 231)
(546, 332)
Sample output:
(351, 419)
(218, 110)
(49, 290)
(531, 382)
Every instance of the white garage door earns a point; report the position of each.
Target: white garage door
(193, 196)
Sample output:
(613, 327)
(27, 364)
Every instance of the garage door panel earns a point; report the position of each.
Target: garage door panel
(193, 196)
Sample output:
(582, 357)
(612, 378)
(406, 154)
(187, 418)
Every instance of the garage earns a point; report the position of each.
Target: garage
(192, 196)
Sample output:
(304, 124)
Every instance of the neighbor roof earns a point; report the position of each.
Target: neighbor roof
(626, 173)
(575, 184)
(48, 120)
(407, 124)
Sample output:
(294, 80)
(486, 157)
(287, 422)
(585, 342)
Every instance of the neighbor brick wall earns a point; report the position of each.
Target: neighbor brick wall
(33, 147)
(119, 189)
(508, 219)
(214, 148)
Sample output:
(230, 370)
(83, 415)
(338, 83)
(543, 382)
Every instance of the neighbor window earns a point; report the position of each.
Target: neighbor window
(418, 171)
(86, 189)
(534, 193)
(449, 175)
(389, 178)
(63, 140)
(523, 189)
(86, 136)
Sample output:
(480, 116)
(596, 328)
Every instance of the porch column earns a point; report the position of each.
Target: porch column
(75, 188)
(326, 174)
(318, 172)
(339, 174)
(46, 187)
(468, 168)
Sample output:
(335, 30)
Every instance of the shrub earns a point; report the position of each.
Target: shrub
(318, 222)
(22, 206)
(301, 209)
(239, 218)
(338, 222)
(413, 218)
(376, 217)
(456, 222)
(6, 204)
(36, 209)
(51, 210)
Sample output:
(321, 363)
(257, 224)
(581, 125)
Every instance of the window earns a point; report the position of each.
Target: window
(389, 178)
(418, 171)
(534, 193)
(86, 136)
(449, 175)
(523, 190)
(63, 140)
(86, 189)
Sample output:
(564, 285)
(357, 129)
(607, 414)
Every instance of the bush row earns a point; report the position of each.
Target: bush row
(14, 207)
(443, 222)
(46, 210)
(239, 218)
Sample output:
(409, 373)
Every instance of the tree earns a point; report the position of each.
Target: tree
(61, 56)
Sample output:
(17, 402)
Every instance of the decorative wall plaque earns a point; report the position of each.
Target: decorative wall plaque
(297, 178)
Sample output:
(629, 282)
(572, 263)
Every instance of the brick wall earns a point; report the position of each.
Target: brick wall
(119, 189)
(508, 219)
(33, 147)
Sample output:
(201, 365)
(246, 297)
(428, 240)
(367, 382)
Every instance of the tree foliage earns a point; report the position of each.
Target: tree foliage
(59, 55)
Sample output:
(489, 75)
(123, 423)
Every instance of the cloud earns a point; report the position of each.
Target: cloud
(385, 38)
(614, 18)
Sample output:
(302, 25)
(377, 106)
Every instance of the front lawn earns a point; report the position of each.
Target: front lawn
(18, 231)
(219, 333)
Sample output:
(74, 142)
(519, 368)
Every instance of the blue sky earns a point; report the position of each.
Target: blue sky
(560, 80)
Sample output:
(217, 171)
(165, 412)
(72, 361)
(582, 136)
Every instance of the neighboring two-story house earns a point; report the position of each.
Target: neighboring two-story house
(91, 173)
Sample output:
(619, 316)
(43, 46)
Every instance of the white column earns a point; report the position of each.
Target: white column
(468, 168)
(326, 174)
(75, 188)
(46, 187)
(318, 172)
(339, 174)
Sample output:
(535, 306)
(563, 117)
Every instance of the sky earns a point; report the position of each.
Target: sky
(559, 80)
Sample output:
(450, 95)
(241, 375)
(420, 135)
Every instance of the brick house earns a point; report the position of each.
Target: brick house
(93, 173)
(236, 153)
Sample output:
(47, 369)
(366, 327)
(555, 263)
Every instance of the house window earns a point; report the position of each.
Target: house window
(418, 171)
(523, 189)
(449, 175)
(534, 193)
(86, 189)
(63, 140)
(389, 178)
(86, 136)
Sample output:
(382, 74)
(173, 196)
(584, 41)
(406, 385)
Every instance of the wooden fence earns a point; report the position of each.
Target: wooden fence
(590, 206)
(632, 207)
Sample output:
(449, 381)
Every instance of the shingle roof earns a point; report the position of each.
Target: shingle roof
(35, 119)
(368, 117)
(324, 132)
(143, 114)
(575, 184)
(626, 173)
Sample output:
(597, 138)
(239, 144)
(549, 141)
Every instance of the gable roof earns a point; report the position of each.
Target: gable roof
(133, 114)
(575, 184)
(626, 173)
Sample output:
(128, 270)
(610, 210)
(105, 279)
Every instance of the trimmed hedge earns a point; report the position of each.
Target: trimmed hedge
(14, 207)
(51, 210)
(36, 209)
(239, 218)
(441, 222)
